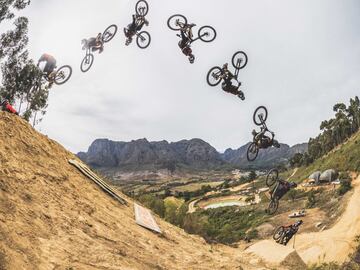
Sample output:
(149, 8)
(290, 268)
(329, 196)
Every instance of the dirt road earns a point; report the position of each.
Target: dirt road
(334, 244)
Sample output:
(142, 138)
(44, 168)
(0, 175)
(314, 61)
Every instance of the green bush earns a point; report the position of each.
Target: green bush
(345, 186)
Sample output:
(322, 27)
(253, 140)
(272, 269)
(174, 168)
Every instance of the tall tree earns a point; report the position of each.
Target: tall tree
(19, 73)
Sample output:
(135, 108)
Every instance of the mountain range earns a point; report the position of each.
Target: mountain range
(194, 154)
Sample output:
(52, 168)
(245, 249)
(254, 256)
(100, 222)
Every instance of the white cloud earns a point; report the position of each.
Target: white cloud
(303, 58)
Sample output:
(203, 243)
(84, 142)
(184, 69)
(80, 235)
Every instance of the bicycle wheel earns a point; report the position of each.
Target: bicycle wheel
(87, 62)
(109, 33)
(213, 76)
(207, 33)
(273, 206)
(239, 60)
(272, 177)
(260, 115)
(175, 21)
(142, 8)
(278, 233)
(143, 40)
(63, 74)
(252, 152)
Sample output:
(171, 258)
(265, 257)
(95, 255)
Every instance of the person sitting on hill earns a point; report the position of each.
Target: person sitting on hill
(5, 106)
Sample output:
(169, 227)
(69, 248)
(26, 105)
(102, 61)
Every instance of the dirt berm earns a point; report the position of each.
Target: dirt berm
(52, 217)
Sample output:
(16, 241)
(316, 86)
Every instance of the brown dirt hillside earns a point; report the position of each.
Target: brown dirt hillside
(52, 217)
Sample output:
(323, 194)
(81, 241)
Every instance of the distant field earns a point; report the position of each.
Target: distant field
(195, 186)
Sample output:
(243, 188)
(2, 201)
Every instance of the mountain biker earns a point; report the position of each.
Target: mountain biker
(5, 106)
(186, 39)
(137, 24)
(94, 43)
(50, 63)
(290, 232)
(282, 188)
(227, 84)
(264, 141)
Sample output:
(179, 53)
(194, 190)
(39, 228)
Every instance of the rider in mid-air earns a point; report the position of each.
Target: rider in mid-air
(50, 64)
(94, 43)
(263, 140)
(227, 84)
(137, 24)
(282, 188)
(186, 39)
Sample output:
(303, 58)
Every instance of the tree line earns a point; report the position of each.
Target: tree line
(334, 132)
(20, 73)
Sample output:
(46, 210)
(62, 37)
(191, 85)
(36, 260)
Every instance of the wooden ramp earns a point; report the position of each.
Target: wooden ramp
(145, 219)
(97, 180)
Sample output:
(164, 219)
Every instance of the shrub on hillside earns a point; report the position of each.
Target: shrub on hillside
(345, 186)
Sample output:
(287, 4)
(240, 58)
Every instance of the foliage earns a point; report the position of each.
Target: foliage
(345, 186)
(19, 73)
(311, 199)
(225, 225)
(335, 131)
(154, 203)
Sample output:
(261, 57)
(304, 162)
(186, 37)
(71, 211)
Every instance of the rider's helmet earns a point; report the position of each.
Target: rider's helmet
(254, 132)
(225, 66)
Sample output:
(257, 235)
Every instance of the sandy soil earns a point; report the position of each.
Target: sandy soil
(52, 217)
(334, 244)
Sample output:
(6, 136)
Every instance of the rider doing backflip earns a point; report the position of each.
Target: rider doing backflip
(50, 63)
(264, 141)
(186, 39)
(227, 84)
(94, 43)
(137, 24)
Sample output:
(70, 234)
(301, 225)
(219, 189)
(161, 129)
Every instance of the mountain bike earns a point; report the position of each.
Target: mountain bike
(88, 60)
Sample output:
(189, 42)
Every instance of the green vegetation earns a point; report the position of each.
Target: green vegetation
(225, 225)
(344, 187)
(19, 73)
(345, 158)
(334, 132)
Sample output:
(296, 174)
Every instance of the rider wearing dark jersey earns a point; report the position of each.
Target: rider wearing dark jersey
(137, 24)
(263, 140)
(94, 43)
(290, 232)
(227, 84)
(50, 63)
(186, 39)
(282, 188)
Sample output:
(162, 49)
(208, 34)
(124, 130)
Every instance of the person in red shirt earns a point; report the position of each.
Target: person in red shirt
(5, 106)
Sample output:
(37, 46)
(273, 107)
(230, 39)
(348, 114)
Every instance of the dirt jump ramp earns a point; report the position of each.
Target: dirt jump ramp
(332, 245)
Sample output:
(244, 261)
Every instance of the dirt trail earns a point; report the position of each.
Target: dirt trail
(53, 217)
(334, 244)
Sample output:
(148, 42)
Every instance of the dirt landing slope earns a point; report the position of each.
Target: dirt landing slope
(334, 244)
(52, 217)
